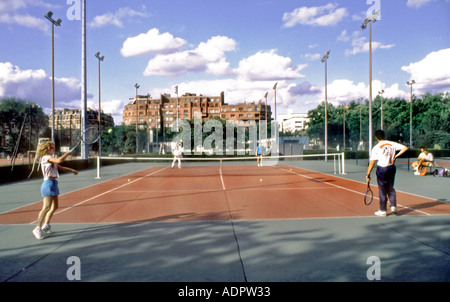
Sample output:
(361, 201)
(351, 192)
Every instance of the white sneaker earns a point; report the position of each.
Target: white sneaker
(37, 233)
(417, 173)
(47, 228)
(394, 210)
(380, 213)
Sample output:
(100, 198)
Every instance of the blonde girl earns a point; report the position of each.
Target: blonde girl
(49, 190)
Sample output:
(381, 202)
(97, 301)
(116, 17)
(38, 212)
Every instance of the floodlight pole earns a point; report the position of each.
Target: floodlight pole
(370, 20)
(265, 96)
(137, 118)
(84, 117)
(324, 60)
(176, 91)
(380, 93)
(100, 58)
(411, 111)
(56, 22)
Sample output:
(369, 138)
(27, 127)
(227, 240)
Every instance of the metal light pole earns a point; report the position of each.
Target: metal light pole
(360, 120)
(411, 111)
(136, 103)
(324, 60)
(380, 93)
(370, 20)
(84, 117)
(176, 91)
(345, 107)
(56, 22)
(275, 101)
(100, 58)
(265, 96)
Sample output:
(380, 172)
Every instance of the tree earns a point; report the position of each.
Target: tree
(14, 115)
(431, 121)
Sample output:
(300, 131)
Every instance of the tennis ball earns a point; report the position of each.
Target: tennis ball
(260, 179)
(109, 130)
(128, 180)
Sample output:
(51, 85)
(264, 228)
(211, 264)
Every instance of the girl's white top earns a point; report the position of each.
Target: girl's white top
(49, 170)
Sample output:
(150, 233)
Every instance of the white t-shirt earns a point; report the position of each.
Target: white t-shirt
(384, 152)
(49, 169)
(427, 157)
(177, 152)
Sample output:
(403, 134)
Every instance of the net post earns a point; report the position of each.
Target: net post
(334, 162)
(339, 162)
(343, 163)
(98, 167)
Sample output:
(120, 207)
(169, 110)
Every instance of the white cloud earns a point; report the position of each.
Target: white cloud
(312, 56)
(236, 90)
(432, 73)
(417, 3)
(360, 43)
(268, 66)
(151, 42)
(327, 15)
(208, 57)
(117, 18)
(342, 91)
(9, 14)
(35, 85)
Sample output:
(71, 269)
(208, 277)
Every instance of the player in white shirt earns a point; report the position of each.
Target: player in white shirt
(177, 156)
(424, 159)
(385, 154)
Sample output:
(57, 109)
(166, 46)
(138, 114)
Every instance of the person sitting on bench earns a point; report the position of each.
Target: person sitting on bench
(424, 160)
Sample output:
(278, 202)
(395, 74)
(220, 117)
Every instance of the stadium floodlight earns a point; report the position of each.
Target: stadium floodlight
(370, 20)
(56, 22)
(324, 60)
(411, 111)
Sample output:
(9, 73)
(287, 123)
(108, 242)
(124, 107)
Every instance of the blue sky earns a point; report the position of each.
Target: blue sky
(240, 47)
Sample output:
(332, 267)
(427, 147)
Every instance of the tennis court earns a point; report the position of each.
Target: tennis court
(296, 220)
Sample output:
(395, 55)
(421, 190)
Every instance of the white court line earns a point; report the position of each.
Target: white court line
(350, 190)
(221, 178)
(104, 193)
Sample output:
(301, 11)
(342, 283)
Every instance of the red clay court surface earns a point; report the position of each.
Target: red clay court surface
(196, 193)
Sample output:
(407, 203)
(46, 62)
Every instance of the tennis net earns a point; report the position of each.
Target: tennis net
(330, 163)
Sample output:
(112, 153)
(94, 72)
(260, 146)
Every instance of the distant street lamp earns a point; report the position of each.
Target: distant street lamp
(324, 60)
(370, 20)
(380, 93)
(136, 103)
(100, 58)
(411, 113)
(56, 22)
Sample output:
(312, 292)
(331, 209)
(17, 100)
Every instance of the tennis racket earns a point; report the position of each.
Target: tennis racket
(91, 136)
(369, 195)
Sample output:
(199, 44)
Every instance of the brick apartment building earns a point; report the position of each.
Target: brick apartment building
(162, 112)
(68, 124)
